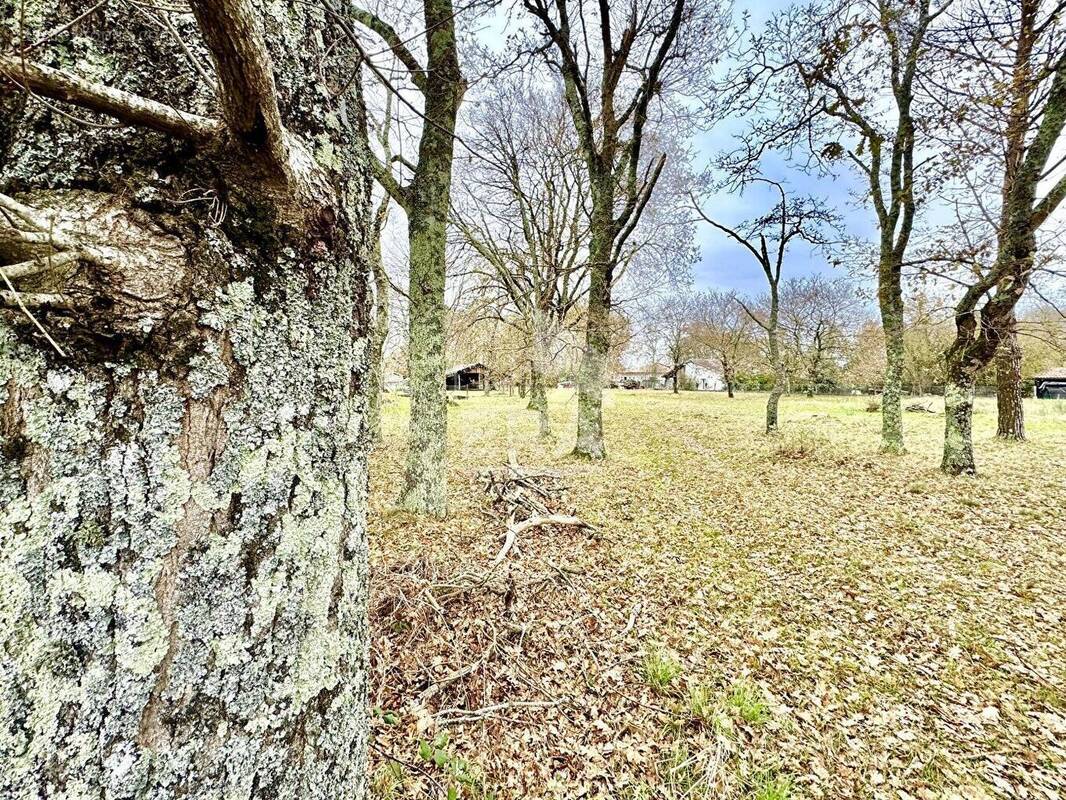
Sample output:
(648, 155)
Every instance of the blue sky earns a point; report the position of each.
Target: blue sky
(723, 263)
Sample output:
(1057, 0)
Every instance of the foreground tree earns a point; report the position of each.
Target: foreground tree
(615, 63)
(183, 469)
(426, 200)
(767, 239)
(1030, 131)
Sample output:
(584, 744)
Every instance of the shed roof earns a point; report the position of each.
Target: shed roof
(1055, 373)
(464, 367)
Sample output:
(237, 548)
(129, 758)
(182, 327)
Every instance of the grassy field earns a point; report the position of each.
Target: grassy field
(751, 617)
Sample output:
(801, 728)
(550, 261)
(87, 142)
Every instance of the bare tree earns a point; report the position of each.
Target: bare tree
(617, 63)
(767, 239)
(669, 321)
(1029, 127)
(722, 329)
(183, 221)
(425, 198)
(522, 211)
(828, 63)
(814, 316)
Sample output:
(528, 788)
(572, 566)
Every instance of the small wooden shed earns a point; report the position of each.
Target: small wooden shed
(1051, 384)
(467, 377)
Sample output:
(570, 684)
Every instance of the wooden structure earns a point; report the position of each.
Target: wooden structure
(467, 377)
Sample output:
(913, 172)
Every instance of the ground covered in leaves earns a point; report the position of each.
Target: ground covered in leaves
(747, 616)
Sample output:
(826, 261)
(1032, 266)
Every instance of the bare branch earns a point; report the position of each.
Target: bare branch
(129, 108)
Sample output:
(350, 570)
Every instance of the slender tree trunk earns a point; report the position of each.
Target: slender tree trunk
(597, 343)
(677, 369)
(780, 377)
(183, 550)
(426, 488)
(540, 346)
(727, 371)
(426, 480)
(958, 423)
(1009, 406)
(379, 332)
(890, 297)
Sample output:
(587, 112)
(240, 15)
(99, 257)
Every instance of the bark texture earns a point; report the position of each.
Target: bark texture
(427, 201)
(183, 496)
(540, 350)
(958, 430)
(593, 366)
(1010, 410)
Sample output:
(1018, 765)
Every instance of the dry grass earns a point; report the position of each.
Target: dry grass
(844, 625)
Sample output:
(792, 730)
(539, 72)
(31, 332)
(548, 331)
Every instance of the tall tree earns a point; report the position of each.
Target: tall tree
(616, 61)
(183, 223)
(523, 214)
(425, 199)
(1033, 80)
(834, 58)
(767, 240)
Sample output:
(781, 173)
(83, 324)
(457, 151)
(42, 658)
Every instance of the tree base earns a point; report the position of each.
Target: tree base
(588, 455)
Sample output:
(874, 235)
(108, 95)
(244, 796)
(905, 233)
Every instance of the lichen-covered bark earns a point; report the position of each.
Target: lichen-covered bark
(184, 563)
(426, 487)
(958, 433)
(597, 344)
(890, 295)
(183, 567)
(1009, 407)
(428, 204)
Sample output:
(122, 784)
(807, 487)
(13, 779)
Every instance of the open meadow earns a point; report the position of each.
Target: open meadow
(748, 616)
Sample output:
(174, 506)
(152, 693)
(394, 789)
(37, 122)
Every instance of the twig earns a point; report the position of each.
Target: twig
(26, 311)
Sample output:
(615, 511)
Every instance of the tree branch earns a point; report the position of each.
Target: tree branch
(232, 33)
(395, 44)
(129, 108)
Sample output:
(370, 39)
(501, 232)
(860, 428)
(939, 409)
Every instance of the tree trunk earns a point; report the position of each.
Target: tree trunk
(426, 488)
(958, 425)
(426, 480)
(540, 345)
(1009, 406)
(727, 371)
(890, 297)
(597, 344)
(379, 330)
(182, 496)
(780, 379)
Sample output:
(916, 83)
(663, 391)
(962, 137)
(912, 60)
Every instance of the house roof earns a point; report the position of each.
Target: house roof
(464, 367)
(1055, 373)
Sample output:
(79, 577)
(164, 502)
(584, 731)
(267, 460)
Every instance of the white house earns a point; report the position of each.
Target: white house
(645, 377)
(703, 375)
